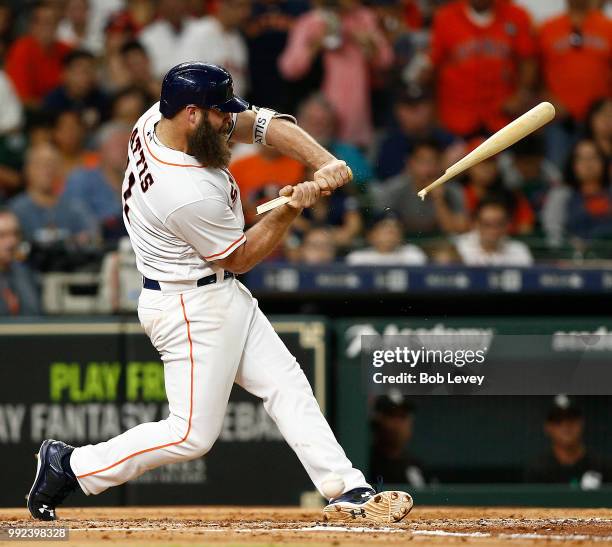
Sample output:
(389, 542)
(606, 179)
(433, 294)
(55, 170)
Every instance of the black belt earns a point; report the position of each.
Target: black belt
(208, 280)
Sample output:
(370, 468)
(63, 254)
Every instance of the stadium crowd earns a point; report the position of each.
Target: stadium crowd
(399, 89)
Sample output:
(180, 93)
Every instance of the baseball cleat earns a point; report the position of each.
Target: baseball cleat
(364, 505)
(52, 482)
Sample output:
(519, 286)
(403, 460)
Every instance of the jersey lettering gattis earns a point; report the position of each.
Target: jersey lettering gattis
(180, 215)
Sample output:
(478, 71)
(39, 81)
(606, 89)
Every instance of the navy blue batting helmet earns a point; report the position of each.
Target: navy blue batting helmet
(199, 84)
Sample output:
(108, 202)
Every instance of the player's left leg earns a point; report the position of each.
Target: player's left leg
(268, 370)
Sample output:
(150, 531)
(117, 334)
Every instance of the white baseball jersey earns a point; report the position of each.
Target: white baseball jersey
(180, 215)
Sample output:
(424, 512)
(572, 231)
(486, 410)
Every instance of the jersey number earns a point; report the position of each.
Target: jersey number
(127, 195)
(145, 184)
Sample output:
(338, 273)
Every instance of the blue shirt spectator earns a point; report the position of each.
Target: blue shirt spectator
(339, 213)
(79, 91)
(583, 207)
(18, 290)
(46, 218)
(90, 186)
(45, 223)
(100, 188)
(414, 116)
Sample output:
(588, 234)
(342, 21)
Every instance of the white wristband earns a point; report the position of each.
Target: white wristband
(263, 117)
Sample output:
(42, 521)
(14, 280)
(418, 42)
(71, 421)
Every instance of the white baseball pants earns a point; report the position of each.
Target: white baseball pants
(210, 337)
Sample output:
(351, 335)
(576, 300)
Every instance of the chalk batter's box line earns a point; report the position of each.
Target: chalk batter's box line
(354, 529)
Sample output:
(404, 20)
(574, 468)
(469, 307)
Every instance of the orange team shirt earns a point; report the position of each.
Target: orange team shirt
(577, 76)
(477, 66)
(254, 172)
(34, 70)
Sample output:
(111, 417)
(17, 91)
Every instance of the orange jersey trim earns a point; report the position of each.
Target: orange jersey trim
(190, 409)
(162, 161)
(227, 249)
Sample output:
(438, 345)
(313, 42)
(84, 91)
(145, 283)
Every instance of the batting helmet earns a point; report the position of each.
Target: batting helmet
(200, 84)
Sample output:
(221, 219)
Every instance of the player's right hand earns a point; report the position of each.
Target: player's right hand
(304, 194)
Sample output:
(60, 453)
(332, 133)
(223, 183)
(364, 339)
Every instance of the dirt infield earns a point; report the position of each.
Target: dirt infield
(190, 526)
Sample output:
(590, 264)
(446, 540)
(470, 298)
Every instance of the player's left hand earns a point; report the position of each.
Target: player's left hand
(333, 175)
(304, 194)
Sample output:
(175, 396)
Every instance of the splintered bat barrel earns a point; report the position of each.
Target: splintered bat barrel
(507, 136)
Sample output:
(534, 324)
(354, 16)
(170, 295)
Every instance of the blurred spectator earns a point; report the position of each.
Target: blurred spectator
(18, 292)
(78, 27)
(40, 129)
(163, 38)
(605, 6)
(345, 37)
(488, 244)
(217, 39)
(256, 173)
(541, 11)
(576, 52)
(266, 33)
(398, 20)
(392, 429)
(527, 169)
(568, 460)
(317, 247)
(482, 56)
(7, 27)
(100, 11)
(339, 213)
(398, 16)
(443, 212)
(584, 207)
(129, 104)
(386, 246)
(136, 70)
(69, 135)
(129, 21)
(11, 141)
(414, 114)
(100, 187)
(34, 61)
(46, 218)
(79, 91)
(599, 125)
(316, 116)
(484, 180)
(442, 253)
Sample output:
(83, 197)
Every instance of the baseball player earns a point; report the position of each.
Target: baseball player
(182, 210)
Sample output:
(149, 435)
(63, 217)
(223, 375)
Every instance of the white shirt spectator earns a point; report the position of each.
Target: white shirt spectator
(101, 10)
(11, 113)
(509, 252)
(92, 42)
(406, 255)
(209, 42)
(165, 45)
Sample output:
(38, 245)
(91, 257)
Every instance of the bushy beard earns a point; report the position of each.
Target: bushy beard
(209, 146)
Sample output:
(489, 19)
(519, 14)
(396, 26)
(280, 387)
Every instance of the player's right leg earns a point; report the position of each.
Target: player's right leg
(200, 334)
